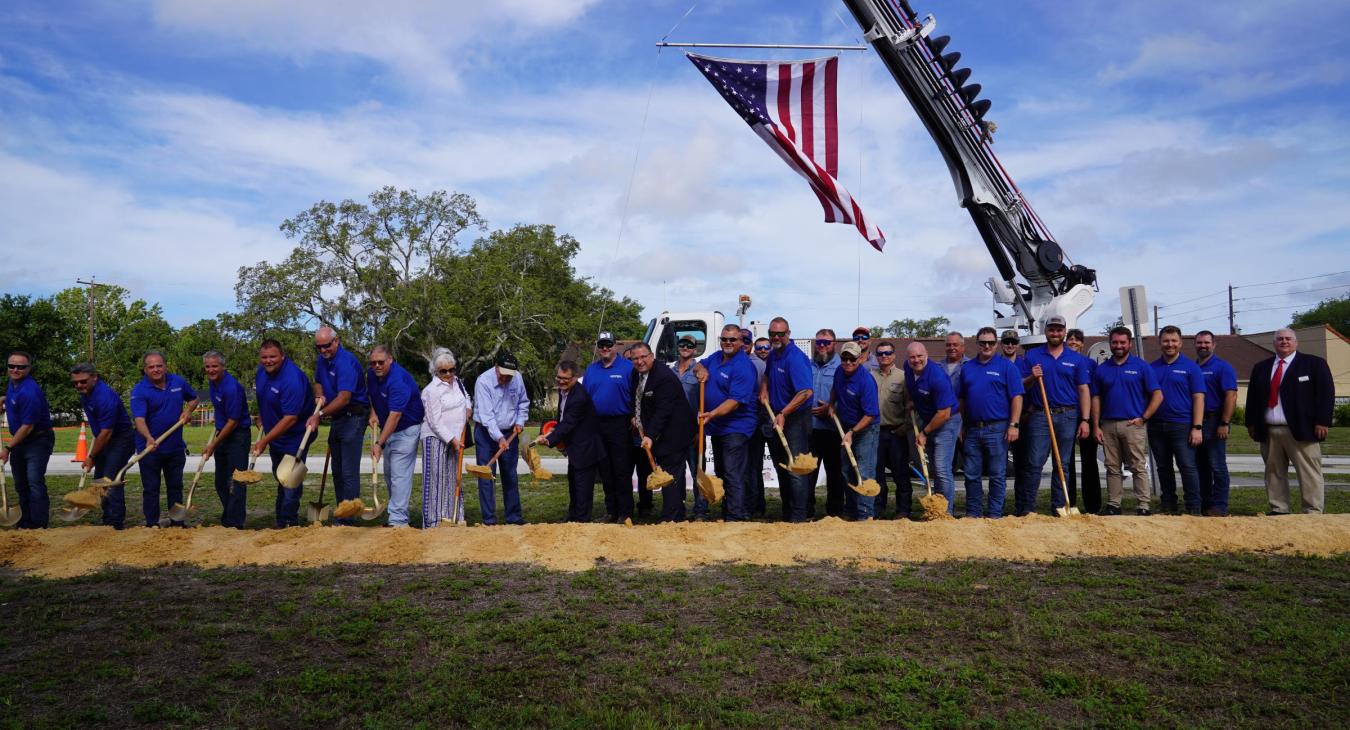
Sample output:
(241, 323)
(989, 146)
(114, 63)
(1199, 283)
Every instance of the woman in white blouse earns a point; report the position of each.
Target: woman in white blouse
(447, 407)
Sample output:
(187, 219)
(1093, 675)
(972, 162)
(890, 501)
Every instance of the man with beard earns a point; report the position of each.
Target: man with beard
(991, 396)
(1127, 396)
(1179, 427)
(787, 389)
(1065, 374)
(729, 416)
(1220, 402)
(1087, 448)
(824, 437)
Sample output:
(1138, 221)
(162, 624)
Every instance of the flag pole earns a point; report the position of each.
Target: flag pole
(809, 47)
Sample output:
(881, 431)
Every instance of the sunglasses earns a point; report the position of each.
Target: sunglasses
(445, 371)
(81, 382)
(824, 343)
(885, 353)
(747, 340)
(686, 345)
(778, 334)
(1011, 342)
(603, 345)
(847, 358)
(324, 345)
(16, 366)
(761, 348)
(861, 338)
(987, 343)
(729, 340)
(377, 363)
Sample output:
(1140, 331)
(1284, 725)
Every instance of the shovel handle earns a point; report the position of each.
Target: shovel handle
(500, 449)
(782, 436)
(923, 460)
(146, 452)
(4, 493)
(847, 448)
(701, 386)
(201, 464)
(1054, 442)
(323, 478)
(459, 473)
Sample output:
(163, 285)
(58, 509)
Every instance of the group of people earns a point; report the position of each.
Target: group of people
(863, 416)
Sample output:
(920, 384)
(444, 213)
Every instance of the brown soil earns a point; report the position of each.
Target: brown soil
(247, 476)
(348, 508)
(934, 507)
(75, 550)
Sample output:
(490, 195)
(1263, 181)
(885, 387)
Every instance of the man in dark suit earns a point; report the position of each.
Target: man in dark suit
(666, 423)
(576, 435)
(1290, 398)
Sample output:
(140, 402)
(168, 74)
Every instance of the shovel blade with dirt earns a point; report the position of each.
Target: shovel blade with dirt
(709, 486)
(9, 516)
(799, 464)
(931, 506)
(536, 464)
(484, 471)
(318, 512)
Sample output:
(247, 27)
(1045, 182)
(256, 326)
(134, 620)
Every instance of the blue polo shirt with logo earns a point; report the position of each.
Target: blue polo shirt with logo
(987, 388)
(610, 388)
(395, 392)
(1179, 382)
(735, 380)
(103, 408)
(789, 372)
(26, 405)
(1124, 388)
(161, 408)
(930, 390)
(230, 401)
(855, 396)
(341, 372)
(1063, 375)
(285, 394)
(1219, 378)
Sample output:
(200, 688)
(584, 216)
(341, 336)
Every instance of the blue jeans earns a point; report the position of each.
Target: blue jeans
(505, 468)
(1169, 442)
(793, 489)
(986, 455)
(345, 436)
(168, 466)
(400, 461)
(28, 461)
(231, 454)
(865, 451)
(729, 454)
(1212, 465)
(941, 447)
(107, 463)
(1038, 452)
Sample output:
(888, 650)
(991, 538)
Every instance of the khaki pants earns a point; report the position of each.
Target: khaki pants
(1119, 439)
(1278, 450)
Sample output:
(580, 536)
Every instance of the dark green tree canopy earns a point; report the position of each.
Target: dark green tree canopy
(1334, 311)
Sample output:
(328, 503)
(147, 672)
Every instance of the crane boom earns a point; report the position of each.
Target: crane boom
(1034, 279)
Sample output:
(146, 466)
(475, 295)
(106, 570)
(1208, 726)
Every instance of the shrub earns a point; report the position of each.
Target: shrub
(1341, 416)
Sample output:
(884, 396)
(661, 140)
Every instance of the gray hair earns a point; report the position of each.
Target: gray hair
(438, 356)
(216, 355)
(156, 353)
(84, 368)
(1282, 330)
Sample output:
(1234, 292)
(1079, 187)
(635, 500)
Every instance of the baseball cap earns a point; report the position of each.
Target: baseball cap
(507, 364)
(851, 348)
(861, 330)
(1010, 335)
(1056, 321)
(687, 340)
(604, 338)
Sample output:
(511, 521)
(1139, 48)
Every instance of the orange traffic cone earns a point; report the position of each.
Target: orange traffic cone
(81, 447)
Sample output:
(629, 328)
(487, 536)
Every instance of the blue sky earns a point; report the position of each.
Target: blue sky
(1183, 146)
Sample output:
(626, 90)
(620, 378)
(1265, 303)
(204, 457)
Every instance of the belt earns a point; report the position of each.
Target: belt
(982, 424)
(355, 409)
(1056, 409)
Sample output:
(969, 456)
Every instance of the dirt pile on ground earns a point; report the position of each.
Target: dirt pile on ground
(71, 551)
(934, 507)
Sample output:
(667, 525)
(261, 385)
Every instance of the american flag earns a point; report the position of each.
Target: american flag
(791, 106)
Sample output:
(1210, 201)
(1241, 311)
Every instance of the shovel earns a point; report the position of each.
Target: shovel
(1068, 508)
(709, 486)
(248, 477)
(82, 499)
(934, 505)
(484, 471)
(291, 471)
(318, 512)
(459, 479)
(658, 478)
(801, 464)
(69, 514)
(370, 513)
(867, 487)
(179, 512)
(10, 516)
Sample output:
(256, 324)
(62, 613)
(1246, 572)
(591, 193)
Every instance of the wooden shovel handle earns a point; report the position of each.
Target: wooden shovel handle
(701, 386)
(848, 449)
(923, 459)
(1054, 441)
(782, 436)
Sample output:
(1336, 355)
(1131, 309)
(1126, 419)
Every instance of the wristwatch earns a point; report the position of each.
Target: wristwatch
(1225, 424)
(1197, 427)
(1013, 425)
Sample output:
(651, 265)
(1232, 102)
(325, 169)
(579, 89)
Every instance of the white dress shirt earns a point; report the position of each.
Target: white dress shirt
(447, 408)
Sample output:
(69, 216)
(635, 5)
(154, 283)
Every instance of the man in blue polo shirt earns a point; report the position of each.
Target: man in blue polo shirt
(234, 433)
(113, 441)
(1126, 396)
(788, 388)
(1179, 427)
(854, 401)
(341, 382)
(609, 383)
(930, 391)
(1065, 374)
(1010, 349)
(729, 416)
(1220, 402)
(284, 402)
(396, 418)
(1087, 448)
(991, 397)
(160, 400)
(824, 438)
(500, 407)
(31, 440)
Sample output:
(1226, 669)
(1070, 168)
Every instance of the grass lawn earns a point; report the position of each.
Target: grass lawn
(1222, 641)
(1337, 443)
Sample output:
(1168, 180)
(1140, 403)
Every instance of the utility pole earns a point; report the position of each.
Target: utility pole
(92, 286)
(1155, 320)
(1232, 323)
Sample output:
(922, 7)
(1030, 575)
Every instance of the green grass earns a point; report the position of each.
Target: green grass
(1337, 443)
(1231, 641)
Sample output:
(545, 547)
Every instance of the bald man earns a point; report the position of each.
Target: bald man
(340, 385)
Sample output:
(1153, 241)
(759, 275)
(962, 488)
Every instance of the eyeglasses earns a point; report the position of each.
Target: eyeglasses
(445, 371)
(377, 363)
(778, 334)
(686, 345)
(847, 358)
(729, 340)
(824, 343)
(324, 345)
(17, 366)
(987, 343)
(603, 345)
(885, 353)
(761, 348)
(81, 382)
(1011, 341)
(861, 337)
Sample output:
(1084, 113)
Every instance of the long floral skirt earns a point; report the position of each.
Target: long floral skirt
(441, 500)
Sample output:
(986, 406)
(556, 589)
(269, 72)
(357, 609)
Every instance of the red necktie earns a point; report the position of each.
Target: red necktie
(1274, 398)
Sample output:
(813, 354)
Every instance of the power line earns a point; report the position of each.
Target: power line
(1288, 281)
(1196, 299)
(1293, 294)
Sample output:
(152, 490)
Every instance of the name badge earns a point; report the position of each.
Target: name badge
(1303, 378)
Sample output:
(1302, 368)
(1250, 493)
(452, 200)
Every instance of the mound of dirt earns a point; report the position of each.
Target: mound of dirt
(934, 507)
(71, 551)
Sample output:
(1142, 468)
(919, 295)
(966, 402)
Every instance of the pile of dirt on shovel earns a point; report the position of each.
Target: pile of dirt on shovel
(67, 551)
